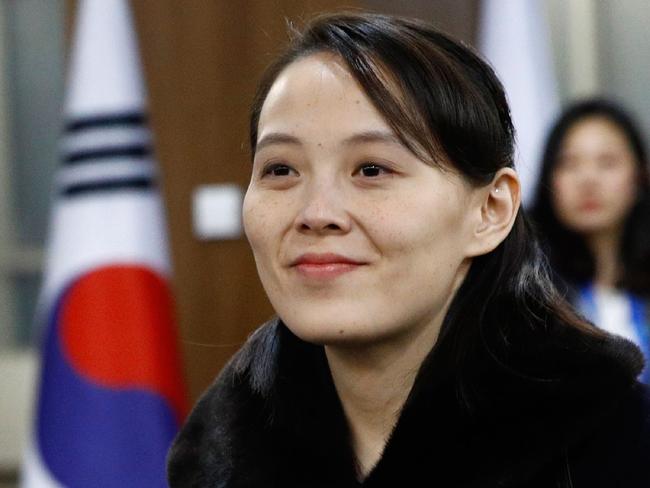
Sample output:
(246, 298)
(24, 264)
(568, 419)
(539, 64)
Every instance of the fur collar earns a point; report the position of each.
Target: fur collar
(272, 418)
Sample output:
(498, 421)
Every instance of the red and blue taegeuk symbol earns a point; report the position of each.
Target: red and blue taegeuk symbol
(112, 395)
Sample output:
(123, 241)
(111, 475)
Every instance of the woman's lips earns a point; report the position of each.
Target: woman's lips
(324, 266)
(589, 206)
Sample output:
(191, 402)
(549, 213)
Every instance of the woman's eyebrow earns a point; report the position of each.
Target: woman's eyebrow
(372, 136)
(359, 138)
(277, 138)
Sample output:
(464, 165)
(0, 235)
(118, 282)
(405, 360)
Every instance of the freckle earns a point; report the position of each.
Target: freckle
(357, 102)
(340, 331)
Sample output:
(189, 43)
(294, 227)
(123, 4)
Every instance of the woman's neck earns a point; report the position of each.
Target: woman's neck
(605, 248)
(374, 380)
(373, 383)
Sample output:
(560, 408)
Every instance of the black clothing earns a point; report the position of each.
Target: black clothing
(564, 411)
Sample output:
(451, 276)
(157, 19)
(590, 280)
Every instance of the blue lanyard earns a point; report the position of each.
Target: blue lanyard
(588, 306)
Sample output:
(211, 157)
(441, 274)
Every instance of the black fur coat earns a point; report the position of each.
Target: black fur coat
(273, 419)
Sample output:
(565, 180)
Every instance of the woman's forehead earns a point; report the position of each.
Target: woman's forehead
(311, 74)
(314, 91)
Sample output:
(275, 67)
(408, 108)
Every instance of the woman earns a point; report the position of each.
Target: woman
(419, 340)
(592, 209)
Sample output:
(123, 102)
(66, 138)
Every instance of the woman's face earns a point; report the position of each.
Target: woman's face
(354, 237)
(594, 183)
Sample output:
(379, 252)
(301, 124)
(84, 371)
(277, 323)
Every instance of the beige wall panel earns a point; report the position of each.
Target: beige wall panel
(455, 17)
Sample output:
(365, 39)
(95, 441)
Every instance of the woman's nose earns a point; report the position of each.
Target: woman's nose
(323, 211)
(589, 175)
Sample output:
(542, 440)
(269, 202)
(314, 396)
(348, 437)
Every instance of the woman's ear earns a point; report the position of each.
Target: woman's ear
(499, 203)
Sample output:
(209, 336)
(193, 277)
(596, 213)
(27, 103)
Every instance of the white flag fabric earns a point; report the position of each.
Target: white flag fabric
(515, 39)
(111, 394)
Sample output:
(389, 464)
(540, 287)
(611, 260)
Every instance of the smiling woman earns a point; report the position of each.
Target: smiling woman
(419, 340)
(339, 211)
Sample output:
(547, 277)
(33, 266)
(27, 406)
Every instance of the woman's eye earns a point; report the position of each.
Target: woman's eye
(372, 170)
(608, 162)
(567, 164)
(278, 169)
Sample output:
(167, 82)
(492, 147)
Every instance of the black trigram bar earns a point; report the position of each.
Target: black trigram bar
(108, 186)
(105, 120)
(102, 153)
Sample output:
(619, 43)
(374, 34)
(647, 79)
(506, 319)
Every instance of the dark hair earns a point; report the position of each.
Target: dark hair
(445, 104)
(569, 254)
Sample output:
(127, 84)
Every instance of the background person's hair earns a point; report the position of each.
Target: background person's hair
(448, 107)
(571, 258)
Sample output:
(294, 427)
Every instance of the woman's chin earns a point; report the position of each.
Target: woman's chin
(334, 333)
(592, 224)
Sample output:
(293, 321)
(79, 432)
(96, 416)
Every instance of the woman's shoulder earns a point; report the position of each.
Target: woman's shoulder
(212, 437)
(250, 371)
(618, 451)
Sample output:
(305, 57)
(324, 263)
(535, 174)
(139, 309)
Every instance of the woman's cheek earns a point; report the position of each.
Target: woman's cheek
(561, 192)
(265, 216)
(253, 219)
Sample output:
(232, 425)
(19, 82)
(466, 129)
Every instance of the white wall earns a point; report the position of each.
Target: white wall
(624, 54)
(17, 384)
(31, 82)
(602, 47)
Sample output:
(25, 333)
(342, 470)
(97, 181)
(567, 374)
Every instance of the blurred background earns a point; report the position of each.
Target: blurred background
(202, 60)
